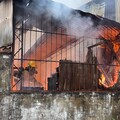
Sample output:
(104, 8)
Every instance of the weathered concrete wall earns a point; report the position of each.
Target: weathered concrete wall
(81, 106)
(5, 72)
(6, 10)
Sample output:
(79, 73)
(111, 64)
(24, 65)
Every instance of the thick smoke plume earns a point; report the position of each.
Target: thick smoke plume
(49, 11)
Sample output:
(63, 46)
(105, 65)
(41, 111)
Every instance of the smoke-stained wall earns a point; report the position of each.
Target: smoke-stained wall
(6, 8)
(5, 73)
(110, 9)
(97, 8)
(104, 8)
(6, 33)
(117, 4)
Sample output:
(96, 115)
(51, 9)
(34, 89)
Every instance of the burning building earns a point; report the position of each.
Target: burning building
(51, 32)
(72, 53)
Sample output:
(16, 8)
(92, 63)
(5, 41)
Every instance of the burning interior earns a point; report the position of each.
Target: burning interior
(70, 50)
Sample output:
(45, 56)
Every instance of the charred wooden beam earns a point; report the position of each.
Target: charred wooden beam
(100, 43)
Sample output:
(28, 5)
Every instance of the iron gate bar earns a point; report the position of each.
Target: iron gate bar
(25, 29)
(64, 62)
(17, 52)
(18, 37)
(97, 44)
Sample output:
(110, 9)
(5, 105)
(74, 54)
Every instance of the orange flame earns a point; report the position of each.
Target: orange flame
(109, 83)
(102, 81)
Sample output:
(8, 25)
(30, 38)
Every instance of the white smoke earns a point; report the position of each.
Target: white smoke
(74, 23)
(78, 26)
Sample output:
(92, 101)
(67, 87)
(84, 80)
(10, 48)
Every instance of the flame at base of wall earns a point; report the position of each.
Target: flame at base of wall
(109, 75)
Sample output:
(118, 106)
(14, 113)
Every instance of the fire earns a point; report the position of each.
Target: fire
(102, 81)
(110, 80)
(116, 47)
(109, 33)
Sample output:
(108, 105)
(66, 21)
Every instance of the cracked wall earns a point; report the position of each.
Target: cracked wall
(64, 106)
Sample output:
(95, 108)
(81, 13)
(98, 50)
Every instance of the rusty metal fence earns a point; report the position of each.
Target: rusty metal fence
(59, 62)
(47, 58)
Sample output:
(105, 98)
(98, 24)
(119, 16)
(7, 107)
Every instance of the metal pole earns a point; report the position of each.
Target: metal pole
(21, 52)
